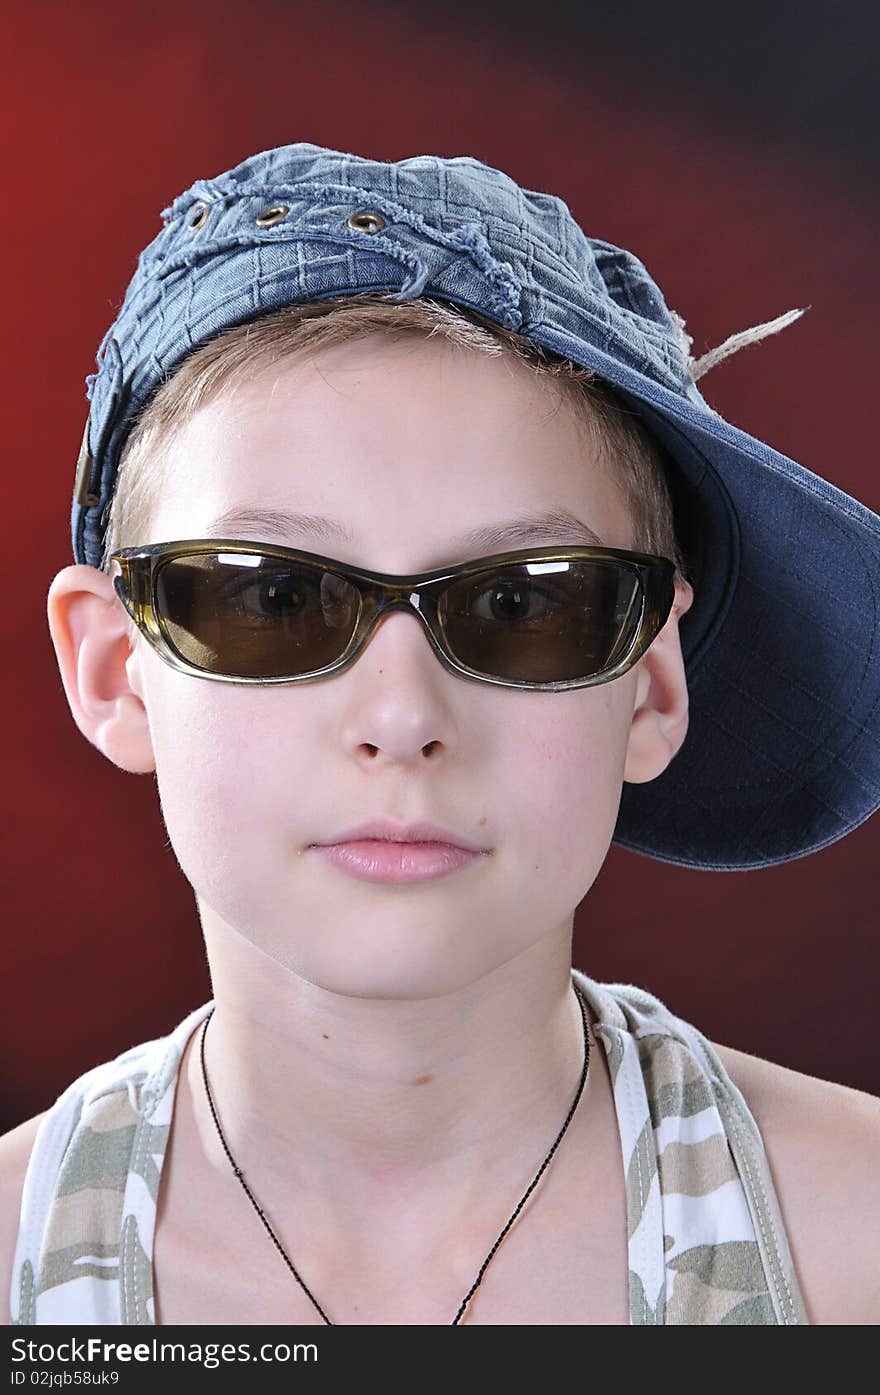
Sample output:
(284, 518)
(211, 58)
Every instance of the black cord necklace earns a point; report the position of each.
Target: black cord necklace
(238, 1173)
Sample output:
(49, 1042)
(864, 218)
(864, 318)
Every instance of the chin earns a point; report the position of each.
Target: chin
(389, 972)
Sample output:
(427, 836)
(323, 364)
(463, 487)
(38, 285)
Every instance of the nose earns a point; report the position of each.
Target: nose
(401, 612)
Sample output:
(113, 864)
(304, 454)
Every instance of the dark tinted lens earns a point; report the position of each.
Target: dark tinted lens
(251, 616)
(543, 621)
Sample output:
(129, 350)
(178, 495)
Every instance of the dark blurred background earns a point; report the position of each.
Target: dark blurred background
(734, 149)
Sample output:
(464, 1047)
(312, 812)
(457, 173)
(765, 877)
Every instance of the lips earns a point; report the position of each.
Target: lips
(383, 860)
(390, 830)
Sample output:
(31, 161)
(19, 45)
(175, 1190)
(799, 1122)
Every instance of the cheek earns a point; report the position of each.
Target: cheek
(234, 783)
(564, 779)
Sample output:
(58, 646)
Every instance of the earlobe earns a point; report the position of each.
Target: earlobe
(660, 716)
(92, 637)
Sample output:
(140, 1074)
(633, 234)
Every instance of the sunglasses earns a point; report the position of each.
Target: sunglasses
(546, 618)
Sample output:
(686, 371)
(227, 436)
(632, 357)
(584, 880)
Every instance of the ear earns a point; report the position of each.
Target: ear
(94, 638)
(660, 716)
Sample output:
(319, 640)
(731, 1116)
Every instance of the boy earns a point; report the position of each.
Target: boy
(388, 819)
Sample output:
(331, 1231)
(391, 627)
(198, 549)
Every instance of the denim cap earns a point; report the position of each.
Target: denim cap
(782, 752)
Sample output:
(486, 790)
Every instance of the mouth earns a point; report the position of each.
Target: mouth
(407, 835)
(388, 860)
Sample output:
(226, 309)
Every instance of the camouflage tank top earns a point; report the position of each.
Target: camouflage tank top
(705, 1234)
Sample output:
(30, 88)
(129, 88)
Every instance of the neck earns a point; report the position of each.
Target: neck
(358, 1105)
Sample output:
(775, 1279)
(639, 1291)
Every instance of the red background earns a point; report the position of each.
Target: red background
(735, 153)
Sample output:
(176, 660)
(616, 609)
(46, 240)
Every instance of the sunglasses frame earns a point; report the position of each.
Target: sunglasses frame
(134, 572)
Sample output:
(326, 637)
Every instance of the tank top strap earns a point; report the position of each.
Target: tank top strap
(706, 1239)
(84, 1245)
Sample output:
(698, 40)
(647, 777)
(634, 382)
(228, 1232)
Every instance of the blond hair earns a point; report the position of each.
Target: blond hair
(639, 463)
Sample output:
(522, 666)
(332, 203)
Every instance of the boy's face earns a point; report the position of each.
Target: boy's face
(408, 444)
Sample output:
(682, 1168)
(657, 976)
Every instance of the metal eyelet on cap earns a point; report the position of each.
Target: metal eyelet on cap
(366, 221)
(198, 216)
(272, 215)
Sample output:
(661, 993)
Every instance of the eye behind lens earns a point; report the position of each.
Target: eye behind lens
(273, 619)
(555, 624)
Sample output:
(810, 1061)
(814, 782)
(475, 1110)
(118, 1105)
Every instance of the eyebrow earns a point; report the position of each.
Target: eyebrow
(557, 525)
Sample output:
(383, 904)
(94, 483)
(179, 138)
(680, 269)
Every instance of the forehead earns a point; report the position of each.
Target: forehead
(388, 443)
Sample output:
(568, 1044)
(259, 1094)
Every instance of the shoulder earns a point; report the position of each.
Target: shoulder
(15, 1152)
(822, 1142)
